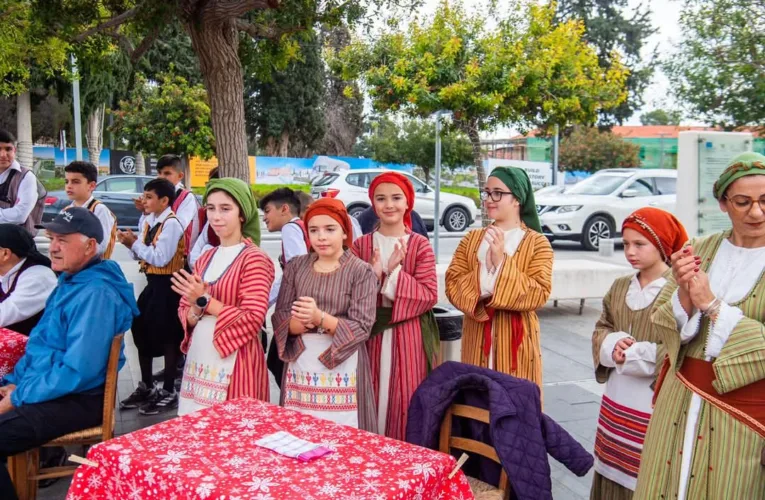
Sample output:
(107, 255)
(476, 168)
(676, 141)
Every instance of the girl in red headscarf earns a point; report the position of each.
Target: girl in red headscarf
(404, 339)
(627, 351)
(324, 313)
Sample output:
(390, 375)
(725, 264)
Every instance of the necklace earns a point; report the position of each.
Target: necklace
(323, 269)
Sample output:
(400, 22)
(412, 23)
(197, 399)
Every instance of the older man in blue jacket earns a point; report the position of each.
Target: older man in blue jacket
(58, 385)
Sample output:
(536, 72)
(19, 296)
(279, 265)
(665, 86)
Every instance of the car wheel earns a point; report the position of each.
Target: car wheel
(596, 229)
(356, 211)
(456, 219)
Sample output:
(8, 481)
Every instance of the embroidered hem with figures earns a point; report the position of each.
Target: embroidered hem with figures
(321, 391)
(205, 384)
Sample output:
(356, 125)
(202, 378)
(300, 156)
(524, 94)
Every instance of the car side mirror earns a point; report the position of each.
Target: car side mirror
(629, 193)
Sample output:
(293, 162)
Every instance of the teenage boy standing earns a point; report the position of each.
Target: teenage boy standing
(81, 177)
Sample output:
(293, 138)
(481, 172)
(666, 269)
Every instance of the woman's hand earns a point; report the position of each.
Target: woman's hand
(188, 285)
(304, 309)
(377, 265)
(397, 257)
(700, 291)
(496, 240)
(684, 266)
(618, 354)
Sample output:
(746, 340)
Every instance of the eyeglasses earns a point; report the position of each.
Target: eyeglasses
(494, 195)
(743, 204)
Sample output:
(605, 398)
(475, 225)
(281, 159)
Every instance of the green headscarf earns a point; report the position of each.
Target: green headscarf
(241, 192)
(517, 181)
(740, 166)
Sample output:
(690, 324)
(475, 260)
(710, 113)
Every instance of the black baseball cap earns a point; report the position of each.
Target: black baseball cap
(76, 220)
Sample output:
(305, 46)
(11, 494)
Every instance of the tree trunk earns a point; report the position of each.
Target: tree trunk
(95, 134)
(216, 43)
(426, 174)
(471, 130)
(271, 147)
(284, 143)
(24, 152)
(140, 164)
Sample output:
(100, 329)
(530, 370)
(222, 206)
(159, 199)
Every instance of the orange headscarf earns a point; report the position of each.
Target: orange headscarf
(401, 181)
(335, 209)
(660, 227)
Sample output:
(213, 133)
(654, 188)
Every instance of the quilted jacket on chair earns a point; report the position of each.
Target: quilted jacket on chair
(522, 435)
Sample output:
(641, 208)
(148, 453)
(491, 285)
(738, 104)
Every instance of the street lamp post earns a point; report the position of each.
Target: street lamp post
(437, 218)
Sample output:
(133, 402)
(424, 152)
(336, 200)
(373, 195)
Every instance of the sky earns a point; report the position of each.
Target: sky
(665, 16)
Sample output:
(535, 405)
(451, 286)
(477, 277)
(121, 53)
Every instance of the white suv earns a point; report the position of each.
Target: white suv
(596, 207)
(352, 188)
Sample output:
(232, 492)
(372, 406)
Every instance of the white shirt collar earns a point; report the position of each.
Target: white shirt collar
(14, 166)
(154, 219)
(639, 298)
(84, 204)
(6, 279)
(179, 186)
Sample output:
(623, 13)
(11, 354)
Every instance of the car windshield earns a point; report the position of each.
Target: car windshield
(599, 185)
(325, 180)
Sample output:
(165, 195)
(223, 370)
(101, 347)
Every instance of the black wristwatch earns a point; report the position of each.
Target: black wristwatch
(203, 302)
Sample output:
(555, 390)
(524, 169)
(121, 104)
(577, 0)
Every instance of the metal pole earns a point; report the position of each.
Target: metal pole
(555, 156)
(437, 218)
(661, 154)
(77, 118)
(65, 162)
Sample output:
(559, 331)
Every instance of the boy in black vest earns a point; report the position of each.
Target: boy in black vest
(22, 197)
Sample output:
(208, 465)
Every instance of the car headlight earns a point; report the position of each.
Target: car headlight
(567, 208)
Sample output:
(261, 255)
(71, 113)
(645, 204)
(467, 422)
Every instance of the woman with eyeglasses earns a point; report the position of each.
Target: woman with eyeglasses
(499, 276)
(706, 439)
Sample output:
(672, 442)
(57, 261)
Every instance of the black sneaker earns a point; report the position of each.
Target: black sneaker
(162, 402)
(140, 396)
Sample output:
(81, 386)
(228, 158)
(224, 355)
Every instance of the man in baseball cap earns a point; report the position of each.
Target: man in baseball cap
(57, 387)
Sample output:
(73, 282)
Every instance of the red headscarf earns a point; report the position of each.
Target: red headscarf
(401, 181)
(660, 227)
(335, 209)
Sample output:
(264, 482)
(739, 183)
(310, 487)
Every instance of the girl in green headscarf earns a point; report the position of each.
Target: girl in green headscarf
(706, 438)
(499, 276)
(224, 303)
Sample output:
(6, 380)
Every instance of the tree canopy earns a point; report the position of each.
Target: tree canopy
(661, 117)
(589, 149)
(719, 68)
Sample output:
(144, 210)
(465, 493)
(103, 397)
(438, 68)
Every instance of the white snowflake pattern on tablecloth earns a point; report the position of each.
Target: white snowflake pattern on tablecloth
(180, 459)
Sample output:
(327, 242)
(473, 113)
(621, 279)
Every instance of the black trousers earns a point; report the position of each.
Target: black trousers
(31, 426)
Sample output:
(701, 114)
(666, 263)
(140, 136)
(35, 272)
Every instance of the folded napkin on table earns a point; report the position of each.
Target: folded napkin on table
(288, 445)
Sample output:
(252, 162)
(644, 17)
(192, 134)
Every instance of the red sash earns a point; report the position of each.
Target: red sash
(516, 324)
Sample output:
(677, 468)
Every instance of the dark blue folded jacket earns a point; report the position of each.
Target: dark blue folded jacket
(522, 435)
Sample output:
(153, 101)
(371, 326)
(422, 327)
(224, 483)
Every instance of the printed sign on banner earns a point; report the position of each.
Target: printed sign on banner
(540, 173)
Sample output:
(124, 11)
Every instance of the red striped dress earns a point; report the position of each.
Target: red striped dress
(244, 290)
(416, 294)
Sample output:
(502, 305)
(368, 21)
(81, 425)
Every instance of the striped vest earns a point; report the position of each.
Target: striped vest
(113, 237)
(178, 261)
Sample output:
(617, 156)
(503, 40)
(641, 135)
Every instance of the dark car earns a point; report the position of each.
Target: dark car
(116, 191)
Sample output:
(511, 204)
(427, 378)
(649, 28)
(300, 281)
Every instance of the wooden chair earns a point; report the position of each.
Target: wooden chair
(24, 468)
(481, 490)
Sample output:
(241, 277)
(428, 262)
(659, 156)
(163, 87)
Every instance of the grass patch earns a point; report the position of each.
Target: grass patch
(464, 191)
(53, 184)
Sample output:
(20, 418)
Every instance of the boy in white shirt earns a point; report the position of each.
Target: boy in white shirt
(81, 177)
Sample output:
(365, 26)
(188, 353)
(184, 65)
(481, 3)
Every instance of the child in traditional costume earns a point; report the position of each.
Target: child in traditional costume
(160, 249)
(323, 317)
(499, 276)
(706, 439)
(224, 305)
(626, 350)
(404, 343)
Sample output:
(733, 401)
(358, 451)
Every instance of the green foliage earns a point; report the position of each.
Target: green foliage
(526, 72)
(611, 28)
(169, 116)
(719, 68)
(414, 142)
(53, 184)
(27, 45)
(284, 110)
(661, 117)
(260, 190)
(464, 191)
(589, 149)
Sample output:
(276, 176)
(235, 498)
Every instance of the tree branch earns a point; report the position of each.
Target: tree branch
(111, 23)
(122, 40)
(223, 9)
(267, 32)
(146, 43)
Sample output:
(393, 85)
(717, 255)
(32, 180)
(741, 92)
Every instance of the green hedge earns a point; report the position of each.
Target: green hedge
(53, 184)
(463, 191)
(260, 190)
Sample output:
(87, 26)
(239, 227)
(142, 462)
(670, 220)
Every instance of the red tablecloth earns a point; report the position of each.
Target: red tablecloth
(210, 455)
(12, 347)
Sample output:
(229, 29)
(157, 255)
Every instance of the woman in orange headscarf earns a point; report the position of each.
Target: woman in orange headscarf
(323, 317)
(404, 339)
(627, 348)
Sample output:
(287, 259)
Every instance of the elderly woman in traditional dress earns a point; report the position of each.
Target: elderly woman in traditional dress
(706, 439)
(626, 349)
(404, 341)
(500, 276)
(323, 317)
